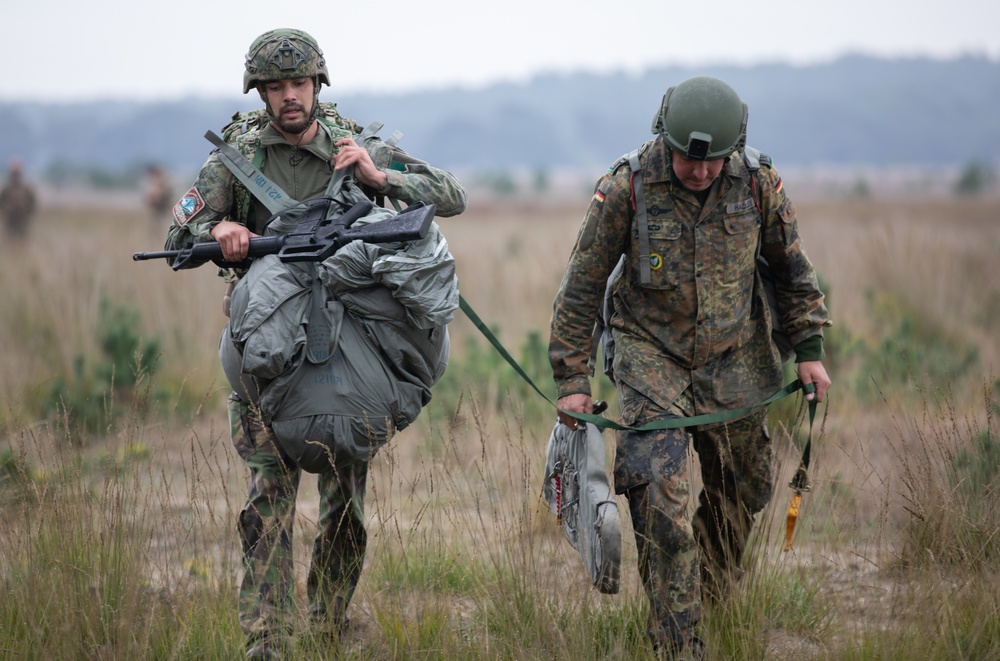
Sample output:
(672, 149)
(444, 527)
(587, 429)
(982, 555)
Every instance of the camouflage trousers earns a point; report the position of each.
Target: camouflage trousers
(683, 559)
(266, 604)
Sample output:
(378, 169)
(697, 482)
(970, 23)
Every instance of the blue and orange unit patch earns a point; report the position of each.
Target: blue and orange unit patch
(191, 203)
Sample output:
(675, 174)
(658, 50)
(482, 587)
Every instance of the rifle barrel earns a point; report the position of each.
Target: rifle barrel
(161, 254)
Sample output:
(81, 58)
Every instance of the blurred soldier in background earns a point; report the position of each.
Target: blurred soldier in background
(17, 202)
(159, 195)
(692, 335)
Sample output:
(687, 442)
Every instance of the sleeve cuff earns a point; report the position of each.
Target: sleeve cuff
(809, 349)
(579, 386)
(393, 181)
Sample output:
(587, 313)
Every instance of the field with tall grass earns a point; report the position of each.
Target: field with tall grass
(119, 487)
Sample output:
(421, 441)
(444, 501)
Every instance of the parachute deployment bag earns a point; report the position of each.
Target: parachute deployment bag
(578, 492)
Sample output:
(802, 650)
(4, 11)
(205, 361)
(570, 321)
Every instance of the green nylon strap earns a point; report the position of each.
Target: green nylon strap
(800, 481)
(665, 423)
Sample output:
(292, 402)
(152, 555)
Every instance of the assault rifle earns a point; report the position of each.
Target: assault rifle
(315, 238)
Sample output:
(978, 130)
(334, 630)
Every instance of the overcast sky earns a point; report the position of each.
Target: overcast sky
(66, 50)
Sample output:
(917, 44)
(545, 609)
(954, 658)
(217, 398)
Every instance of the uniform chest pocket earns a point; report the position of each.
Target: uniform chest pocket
(742, 232)
(664, 253)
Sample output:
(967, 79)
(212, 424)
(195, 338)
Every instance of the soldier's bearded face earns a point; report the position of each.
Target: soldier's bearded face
(291, 103)
(695, 175)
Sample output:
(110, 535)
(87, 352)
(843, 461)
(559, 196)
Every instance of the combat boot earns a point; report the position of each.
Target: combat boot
(263, 649)
(333, 622)
(686, 646)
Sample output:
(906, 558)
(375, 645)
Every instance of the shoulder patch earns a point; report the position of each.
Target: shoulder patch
(190, 204)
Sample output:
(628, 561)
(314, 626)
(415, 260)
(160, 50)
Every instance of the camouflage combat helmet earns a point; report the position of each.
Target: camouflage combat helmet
(282, 54)
(702, 118)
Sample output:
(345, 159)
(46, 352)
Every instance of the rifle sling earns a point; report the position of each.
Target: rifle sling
(269, 193)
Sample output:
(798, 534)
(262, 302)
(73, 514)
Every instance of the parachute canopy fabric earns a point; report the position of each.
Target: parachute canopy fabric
(578, 492)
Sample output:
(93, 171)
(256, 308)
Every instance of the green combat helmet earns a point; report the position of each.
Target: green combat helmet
(285, 54)
(702, 118)
(282, 54)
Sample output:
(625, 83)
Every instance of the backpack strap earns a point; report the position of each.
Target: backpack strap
(340, 176)
(393, 139)
(753, 159)
(269, 193)
(639, 204)
(370, 132)
(602, 331)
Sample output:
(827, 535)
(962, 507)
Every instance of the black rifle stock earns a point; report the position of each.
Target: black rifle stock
(315, 238)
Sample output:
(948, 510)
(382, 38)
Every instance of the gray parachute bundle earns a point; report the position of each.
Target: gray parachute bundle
(337, 355)
(577, 490)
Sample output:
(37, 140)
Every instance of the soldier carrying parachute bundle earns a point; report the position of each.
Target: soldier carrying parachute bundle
(333, 343)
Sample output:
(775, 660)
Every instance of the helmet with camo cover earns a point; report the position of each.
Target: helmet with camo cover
(702, 118)
(283, 54)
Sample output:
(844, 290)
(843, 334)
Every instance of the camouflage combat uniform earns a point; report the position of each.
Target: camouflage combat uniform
(265, 522)
(694, 340)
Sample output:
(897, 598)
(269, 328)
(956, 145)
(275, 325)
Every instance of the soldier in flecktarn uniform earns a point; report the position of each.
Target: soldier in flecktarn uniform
(692, 335)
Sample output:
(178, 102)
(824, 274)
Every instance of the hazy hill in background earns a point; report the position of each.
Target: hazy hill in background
(855, 111)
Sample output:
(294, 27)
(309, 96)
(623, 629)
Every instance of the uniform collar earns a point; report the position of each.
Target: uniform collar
(320, 146)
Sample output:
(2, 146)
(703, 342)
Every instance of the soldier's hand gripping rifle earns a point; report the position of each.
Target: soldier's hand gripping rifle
(315, 238)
